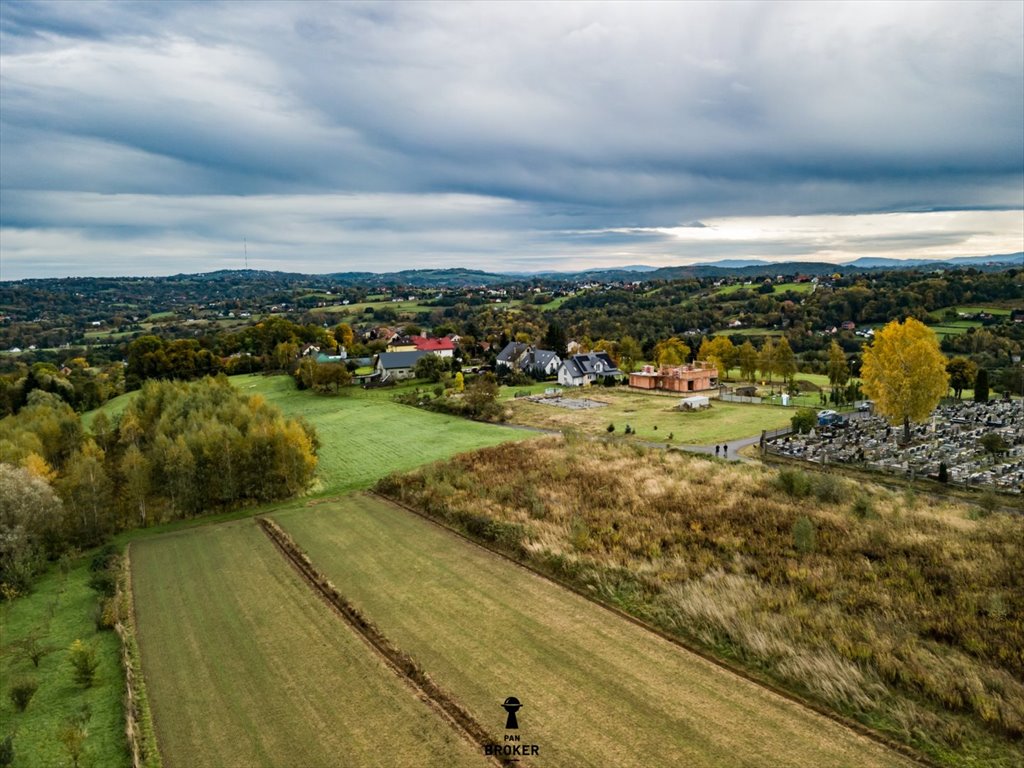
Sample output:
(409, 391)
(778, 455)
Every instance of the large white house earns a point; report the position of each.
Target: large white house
(587, 369)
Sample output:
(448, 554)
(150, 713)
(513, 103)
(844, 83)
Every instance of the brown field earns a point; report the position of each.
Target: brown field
(597, 690)
(246, 667)
(905, 614)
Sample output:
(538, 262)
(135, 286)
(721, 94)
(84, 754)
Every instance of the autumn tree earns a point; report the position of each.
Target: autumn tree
(720, 352)
(981, 386)
(766, 359)
(630, 353)
(838, 370)
(746, 358)
(671, 352)
(785, 360)
(344, 335)
(904, 372)
(961, 374)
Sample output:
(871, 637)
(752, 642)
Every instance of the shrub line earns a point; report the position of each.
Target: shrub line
(851, 724)
(138, 718)
(402, 663)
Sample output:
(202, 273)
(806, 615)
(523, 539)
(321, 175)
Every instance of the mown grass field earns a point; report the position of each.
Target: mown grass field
(59, 611)
(653, 417)
(245, 666)
(365, 436)
(596, 689)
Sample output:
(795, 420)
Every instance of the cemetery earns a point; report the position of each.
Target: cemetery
(952, 444)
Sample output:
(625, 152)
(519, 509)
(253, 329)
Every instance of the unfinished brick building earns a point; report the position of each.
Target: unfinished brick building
(676, 378)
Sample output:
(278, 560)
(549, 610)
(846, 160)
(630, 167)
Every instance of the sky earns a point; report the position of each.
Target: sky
(161, 138)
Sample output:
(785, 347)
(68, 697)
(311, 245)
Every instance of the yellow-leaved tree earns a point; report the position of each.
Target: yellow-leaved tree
(904, 372)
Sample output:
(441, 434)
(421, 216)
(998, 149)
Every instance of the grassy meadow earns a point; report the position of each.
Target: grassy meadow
(653, 417)
(59, 611)
(900, 612)
(364, 435)
(596, 689)
(245, 666)
(727, 290)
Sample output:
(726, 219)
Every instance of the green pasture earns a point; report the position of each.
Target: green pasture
(726, 290)
(364, 435)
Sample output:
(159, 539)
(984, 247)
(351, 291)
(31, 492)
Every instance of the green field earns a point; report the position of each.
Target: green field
(954, 327)
(747, 332)
(245, 666)
(653, 417)
(725, 290)
(596, 689)
(60, 611)
(365, 436)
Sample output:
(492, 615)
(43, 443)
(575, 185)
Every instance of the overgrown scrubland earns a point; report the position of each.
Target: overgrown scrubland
(905, 614)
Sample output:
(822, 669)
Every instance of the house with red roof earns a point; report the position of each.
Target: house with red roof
(440, 347)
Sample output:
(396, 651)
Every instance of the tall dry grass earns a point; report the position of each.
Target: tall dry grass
(902, 612)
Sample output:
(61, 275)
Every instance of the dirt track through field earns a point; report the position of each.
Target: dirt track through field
(402, 663)
(597, 690)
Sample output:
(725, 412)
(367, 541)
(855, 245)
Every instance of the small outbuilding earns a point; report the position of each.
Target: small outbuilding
(695, 403)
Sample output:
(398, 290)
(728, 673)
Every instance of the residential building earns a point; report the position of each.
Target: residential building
(588, 368)
(396, 366)
(676, 378)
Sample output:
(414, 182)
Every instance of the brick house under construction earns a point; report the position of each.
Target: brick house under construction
(676, 378)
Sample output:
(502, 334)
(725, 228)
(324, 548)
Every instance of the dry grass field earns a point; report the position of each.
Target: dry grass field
(901, 612)
(246, 667)
(596, 689)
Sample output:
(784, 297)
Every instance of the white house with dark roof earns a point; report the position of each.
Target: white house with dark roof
(588, 368)
(396, 366)
(528, 359)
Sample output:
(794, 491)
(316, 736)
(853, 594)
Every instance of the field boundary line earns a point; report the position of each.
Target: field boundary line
(139, 728)
(400, 662)
(853, 725)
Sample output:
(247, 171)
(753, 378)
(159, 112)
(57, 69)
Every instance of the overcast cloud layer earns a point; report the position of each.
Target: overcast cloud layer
(153, 138)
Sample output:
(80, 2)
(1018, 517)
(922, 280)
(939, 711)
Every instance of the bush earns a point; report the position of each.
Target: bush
(829, 488)
(22, 691)
(103, 558)
(795, 482)
(804, 535)
(803, 420)
(84, 662)
(862, 507)
(104, 582)
(610, 428)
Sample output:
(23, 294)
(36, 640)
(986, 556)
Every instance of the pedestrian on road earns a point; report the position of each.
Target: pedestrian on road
(726, 446)
(717, 448)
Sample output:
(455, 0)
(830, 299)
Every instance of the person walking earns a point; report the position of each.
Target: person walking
(717, 449)
(726, 447)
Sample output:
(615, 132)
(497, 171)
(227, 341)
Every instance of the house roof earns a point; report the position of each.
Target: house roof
(512, 351)
(539, 358)
(391, 360)
(433, 345)
(596, 363)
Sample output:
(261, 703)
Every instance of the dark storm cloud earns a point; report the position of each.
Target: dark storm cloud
(544, 120)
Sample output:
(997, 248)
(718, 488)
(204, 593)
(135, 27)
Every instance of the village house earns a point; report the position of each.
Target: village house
(679, 378)
(541, 363)
(587, 369)
(440, 347)
(397, 366)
